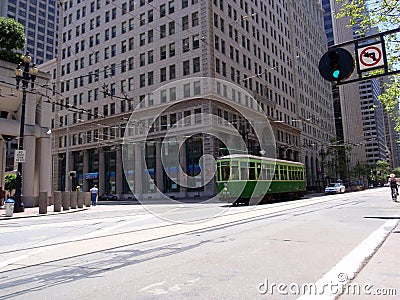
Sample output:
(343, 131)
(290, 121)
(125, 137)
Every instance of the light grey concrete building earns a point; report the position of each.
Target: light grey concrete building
(36, 171)
(121, 56)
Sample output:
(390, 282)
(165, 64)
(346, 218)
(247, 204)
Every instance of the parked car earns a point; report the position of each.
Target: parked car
(335, 188)
(107, 197)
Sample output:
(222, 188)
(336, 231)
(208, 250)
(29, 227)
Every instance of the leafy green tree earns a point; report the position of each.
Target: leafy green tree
(384, 14)
(12, 37)
(10, 182)
(382, 169)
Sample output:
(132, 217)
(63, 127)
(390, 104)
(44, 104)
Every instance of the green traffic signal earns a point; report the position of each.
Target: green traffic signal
(336, 64)
(336, 74)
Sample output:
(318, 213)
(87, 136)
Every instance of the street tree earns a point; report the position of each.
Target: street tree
(12, 37)
(10, 182)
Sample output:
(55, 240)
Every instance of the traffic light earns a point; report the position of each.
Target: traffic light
(336, 64)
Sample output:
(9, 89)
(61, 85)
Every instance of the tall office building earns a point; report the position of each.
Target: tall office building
(348, 116)
(373, 121)
(120, 56)
(373, 137)
(40, 19)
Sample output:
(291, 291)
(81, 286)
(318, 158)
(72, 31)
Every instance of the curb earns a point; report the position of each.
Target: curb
(16, 216)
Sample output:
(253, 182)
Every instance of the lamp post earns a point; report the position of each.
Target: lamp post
(26, 75)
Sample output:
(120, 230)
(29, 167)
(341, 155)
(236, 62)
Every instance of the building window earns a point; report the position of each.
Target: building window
(172, 72)
(171, 49)
(185, 45)
(185, 23)
(162, 11)
(150, 78)
(196, 88)
(163, 52)
(196, 41)
(150, 36)
(196, 65)
(163, 74)
(171, 27)
(186, 68)
(163, 31)
(171, 7)
(150, 16)
(172, 94)
(142, 80)
(142, 59)
(195, 19)
(163, 96)
(142, 39)
(150, 57)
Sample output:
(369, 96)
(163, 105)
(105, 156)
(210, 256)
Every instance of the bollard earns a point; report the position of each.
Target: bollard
(43, 203)
(80, 199)
(57, 201)
(74, 199)
(88, 201)
(9, 207)
(66, 200)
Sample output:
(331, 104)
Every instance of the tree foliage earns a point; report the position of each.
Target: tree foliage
(12, 37)
(384, 14)
(10, 182)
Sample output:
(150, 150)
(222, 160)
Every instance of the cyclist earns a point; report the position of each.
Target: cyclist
(393, 186)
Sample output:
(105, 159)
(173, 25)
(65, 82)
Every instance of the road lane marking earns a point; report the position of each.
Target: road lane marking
(346, 270)
(12, 260)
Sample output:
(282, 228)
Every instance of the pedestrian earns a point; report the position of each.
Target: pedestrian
(393, 185)
(94, 192)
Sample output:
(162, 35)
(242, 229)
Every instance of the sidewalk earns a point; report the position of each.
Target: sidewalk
(380, 277)
(34, 212)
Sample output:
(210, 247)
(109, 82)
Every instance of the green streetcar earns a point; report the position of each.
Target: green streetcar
(251, 179)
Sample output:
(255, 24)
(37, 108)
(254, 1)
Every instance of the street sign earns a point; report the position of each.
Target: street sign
(19, 156)
(370, 57)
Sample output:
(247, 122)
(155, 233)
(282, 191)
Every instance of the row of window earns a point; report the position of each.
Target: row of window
(241, 170)
(125, 7)
(164, 122)
(188, 67)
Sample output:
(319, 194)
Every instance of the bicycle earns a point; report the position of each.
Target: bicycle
(394, 194)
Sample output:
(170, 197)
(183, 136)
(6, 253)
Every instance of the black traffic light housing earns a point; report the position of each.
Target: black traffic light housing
(336, 64)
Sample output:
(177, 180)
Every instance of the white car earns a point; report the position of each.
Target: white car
(335, 188)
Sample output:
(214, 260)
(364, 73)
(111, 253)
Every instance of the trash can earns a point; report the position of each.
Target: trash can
(9, 207)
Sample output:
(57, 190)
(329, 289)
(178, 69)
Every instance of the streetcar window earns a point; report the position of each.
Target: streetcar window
(258, 173)
(283, 173)
(224, 173)
(292, 173)
(270, 172)
(244, 170)
(262, 174)
(252, 171)
(235, 173)
(276, 175)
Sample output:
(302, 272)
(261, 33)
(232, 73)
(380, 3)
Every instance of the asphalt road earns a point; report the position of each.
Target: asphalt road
(196, 251)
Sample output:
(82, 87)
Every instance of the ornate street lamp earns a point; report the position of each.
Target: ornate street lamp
(26, 75)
